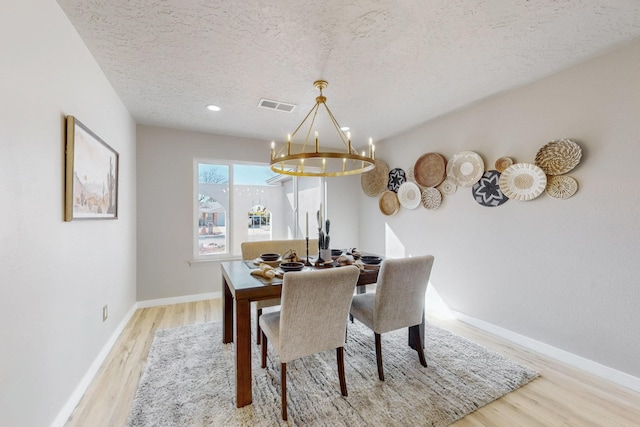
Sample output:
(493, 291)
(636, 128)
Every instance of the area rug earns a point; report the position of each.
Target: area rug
(189, 381)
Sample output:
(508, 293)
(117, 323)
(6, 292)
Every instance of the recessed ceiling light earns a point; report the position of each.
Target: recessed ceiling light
(344, 128)
(213, 107)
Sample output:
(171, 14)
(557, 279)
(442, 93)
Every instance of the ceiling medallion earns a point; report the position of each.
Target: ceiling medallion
(311, 161)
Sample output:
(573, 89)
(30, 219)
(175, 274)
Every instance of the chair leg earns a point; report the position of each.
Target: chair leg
(283, 384)
(258, 334)
(343, 381)
(264, 350)
(379, 356)
(418, 344)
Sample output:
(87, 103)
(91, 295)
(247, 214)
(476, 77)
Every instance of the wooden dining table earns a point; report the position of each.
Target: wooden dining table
(240, 288)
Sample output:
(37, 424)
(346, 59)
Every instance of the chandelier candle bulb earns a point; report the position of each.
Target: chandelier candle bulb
(317, 142)
(373, 152)
(288, 144)
(370, 145)
(273, 149)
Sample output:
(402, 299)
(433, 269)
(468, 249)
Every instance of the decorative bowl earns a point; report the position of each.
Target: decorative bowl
(291, 266)
(371, 260)
(336, 252)
(270, 257)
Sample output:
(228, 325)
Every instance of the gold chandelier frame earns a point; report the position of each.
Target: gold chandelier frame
(320, 163)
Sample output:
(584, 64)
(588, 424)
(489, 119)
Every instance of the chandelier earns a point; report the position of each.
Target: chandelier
(310, 160)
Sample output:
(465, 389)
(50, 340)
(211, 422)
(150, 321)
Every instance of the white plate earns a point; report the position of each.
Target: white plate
(466, 168)
(561, 186)
(409, 195)
(448, 186)
(431, 198)
(523, 181)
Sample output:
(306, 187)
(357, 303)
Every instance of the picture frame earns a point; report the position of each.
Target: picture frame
(91, 175)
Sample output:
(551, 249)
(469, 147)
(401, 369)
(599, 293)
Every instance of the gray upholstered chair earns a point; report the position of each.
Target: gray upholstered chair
(252, 250)
(398, 301)
(312, 319)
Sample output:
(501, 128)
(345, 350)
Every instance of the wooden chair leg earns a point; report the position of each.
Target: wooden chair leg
(283, 384)
(343, 381)
(258, 334)
(379, 356)
(418, 344)
(264, 350)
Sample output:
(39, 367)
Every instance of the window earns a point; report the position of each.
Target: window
(237, 202)
(213, 209)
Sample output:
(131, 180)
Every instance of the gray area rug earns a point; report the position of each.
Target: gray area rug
(189, 381)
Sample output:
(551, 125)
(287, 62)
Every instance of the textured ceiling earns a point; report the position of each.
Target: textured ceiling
(390, 64)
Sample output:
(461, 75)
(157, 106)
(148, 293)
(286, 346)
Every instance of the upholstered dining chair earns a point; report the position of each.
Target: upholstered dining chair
(398, 301)
(252, 250)
(312, 319)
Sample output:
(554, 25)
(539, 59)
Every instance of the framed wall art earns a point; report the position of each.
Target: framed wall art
(91, 175)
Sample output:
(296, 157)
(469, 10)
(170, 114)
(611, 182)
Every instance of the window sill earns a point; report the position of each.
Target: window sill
(202, 261)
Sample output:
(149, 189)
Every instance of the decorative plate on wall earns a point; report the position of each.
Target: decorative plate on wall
(397, 177)
(466, 168)
(448, 186)
(561, 186)
(487, 191)
(389, 203)
(409, 174)
(558, 157)
(430, 169)
(409, 195)
(431, 198)
(375, 181)
(503, 163)
(523, 181)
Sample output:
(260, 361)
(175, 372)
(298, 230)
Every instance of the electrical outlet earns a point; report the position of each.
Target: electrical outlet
(105, 312)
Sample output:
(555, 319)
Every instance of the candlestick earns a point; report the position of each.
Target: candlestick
(307, 263)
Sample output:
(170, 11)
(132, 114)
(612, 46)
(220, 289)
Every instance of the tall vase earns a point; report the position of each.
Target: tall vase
(325, 254)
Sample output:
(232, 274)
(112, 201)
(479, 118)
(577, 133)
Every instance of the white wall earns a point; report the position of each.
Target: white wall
(55, 276)
(165, 213)
(563, 272)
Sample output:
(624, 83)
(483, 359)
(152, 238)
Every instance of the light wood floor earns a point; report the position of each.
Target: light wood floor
(562, 396)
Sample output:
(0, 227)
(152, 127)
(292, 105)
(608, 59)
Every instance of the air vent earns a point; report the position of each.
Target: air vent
(276, 105)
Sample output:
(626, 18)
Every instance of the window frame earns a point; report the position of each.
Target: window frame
(196, 211)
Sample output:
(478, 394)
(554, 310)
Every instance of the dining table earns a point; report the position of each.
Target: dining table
(240, 288)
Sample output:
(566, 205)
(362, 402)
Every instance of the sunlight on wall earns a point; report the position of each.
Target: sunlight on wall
(393, 247)
(434, 304)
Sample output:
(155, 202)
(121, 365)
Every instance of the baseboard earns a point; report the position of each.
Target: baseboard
(81, 388)
(602, 371)
(178, 300)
